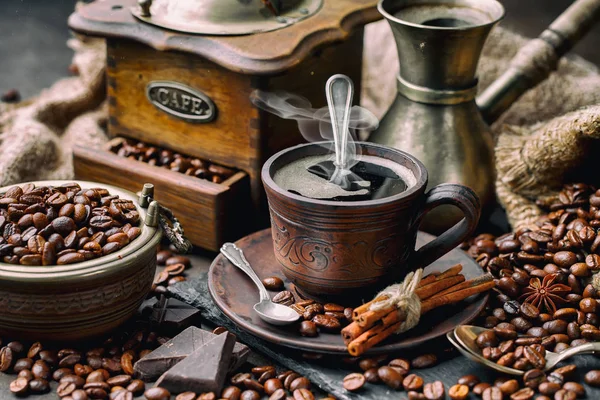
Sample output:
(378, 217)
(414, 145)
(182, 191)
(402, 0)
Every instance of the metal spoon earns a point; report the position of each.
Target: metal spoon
(463, 338)
(272, 313)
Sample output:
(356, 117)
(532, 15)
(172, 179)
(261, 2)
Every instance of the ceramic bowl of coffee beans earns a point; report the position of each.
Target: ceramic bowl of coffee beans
(76, 259)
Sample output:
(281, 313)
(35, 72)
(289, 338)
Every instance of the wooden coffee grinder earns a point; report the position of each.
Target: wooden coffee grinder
(180, 75)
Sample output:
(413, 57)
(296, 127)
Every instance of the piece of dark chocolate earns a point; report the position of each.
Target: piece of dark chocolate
(241, 352)
(166, 356)
(178, 315)
(202, 371)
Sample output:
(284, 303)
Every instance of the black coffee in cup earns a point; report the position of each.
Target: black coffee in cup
(371, 178)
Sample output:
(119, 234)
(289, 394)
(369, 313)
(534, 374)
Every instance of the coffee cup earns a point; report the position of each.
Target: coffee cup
(341, 249)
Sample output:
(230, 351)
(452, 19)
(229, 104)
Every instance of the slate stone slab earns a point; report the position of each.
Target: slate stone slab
(328, 372)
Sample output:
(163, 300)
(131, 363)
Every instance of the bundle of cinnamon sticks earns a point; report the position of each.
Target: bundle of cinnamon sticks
(435, 290)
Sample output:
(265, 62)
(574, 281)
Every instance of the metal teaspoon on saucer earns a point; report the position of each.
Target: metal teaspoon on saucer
(272, 313)
(463, 337)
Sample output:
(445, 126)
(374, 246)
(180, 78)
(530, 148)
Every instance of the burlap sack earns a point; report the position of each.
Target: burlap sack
(543, 140)
(36, 136)
(533, 157)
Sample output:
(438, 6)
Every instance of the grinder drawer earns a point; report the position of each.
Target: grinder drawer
(210, 213)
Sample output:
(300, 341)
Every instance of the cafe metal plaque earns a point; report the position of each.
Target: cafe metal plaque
(181, 101)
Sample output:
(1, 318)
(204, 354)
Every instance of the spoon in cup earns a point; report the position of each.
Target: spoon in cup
(267, 310)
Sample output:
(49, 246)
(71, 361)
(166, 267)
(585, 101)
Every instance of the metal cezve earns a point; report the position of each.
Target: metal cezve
(435, 116)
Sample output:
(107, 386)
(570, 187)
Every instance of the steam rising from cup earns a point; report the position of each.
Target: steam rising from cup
(315, 124)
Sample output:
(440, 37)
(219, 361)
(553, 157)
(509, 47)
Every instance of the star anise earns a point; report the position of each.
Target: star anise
(546, 293)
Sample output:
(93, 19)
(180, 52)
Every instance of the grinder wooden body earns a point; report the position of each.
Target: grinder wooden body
(191, 94)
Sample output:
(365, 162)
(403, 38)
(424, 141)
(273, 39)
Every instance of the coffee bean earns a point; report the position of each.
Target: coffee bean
(303, 394)
(99, 375)
(179, 260)
(81, 395)
(592, 378)
(588, 305)
(523, 394)
(556, 377)
(279, 394)
(299, 383)
(157, 393)
(591, 334)
(416, 396)
(469, 380)
(19, 386)
(127, 362)
(371, 375)
(136, 387)
(39, 385)
(272, 385)
(353, 382)
(273, 283)
(487, 339)
(65, 389)
(25, 374)
(308, 328)
(250, 395)
(459, 392)
(434, 390)
(509, 387)
(507, 360)
(480, 387)
(535, 357)
(238, 379)
(97, 385)
(400, 363)
(575, 387)
(22, 363)
(82, 370)
(390, 377)
(413, 382)
(533, 378)
(505, 347)
(123, 394)
(289, 379)
(40, 370)
(286, 298)
(492, 393)
(231, 392)
(548, 388)
(563, 394)
(505, 334)
(119, 380)
(424, 361)
(77, 380)
(6, 358)
(162, 256)
(327, 322)
(254, 385)
(529, 311)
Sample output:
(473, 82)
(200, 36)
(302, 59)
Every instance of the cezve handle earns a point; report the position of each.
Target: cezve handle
(538, 58)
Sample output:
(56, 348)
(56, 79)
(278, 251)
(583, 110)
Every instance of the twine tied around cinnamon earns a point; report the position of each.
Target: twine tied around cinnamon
(403, 297)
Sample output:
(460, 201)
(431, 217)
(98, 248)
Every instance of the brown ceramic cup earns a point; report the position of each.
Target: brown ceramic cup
(343, 249)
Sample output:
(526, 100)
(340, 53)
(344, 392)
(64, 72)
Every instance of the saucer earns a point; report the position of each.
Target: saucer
(235, 294)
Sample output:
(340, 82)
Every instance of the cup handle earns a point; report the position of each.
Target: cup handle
(457, 195)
